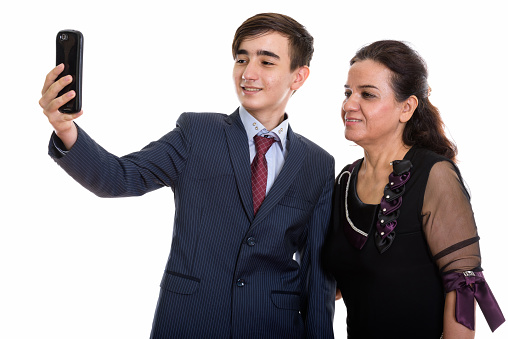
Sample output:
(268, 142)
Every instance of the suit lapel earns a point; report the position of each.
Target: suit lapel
(240, 159)
(297, 151)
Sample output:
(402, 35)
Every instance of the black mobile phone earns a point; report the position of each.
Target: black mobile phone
(69, 51)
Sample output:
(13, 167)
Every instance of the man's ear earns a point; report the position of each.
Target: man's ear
(408, 108)
(301, 74)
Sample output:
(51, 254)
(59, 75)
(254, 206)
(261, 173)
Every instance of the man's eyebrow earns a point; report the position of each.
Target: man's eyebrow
(259, 53)
(241, 51)
(268, 53)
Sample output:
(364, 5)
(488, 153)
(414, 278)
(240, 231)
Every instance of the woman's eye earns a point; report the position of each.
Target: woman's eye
(367, 95)
(347, 94)
(240, 61)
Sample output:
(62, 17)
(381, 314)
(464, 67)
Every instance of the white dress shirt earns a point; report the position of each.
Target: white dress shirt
(277, 153)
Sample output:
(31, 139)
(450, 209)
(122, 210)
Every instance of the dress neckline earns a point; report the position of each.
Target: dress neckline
(362, 216)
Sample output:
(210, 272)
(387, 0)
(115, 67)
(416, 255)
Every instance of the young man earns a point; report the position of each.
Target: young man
(242, 265)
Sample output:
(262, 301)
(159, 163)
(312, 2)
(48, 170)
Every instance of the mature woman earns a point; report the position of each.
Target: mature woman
(403, 245)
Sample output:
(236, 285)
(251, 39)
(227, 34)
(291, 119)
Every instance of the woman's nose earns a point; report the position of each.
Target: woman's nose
(350, 104)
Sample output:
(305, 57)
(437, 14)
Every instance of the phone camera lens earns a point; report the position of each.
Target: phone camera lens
(64, 37)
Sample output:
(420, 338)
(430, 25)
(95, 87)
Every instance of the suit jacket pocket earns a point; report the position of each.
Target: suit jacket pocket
(295, 202)
(286, 300)
(179, 283)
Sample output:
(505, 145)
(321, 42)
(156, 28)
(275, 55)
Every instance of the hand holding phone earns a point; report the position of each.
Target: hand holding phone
(69, 51)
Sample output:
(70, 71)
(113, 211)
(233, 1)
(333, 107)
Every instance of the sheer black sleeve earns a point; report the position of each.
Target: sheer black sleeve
(448, 221)
(450, 229)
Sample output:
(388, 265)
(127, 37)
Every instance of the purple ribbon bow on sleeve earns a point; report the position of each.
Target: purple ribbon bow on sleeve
(469, 286)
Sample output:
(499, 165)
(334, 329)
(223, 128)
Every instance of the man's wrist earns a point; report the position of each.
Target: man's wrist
(69, 137)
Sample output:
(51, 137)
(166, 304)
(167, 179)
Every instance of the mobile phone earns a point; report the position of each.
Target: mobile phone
(69, 51)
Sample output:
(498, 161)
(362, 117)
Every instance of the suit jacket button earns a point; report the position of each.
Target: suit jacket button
(240, 283)
(251, 241)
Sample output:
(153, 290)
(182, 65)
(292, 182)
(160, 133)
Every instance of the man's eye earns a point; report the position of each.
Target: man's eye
(268, 63)
(240, 61)
(347, 94)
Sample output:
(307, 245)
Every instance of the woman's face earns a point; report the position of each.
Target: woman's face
(370, 112)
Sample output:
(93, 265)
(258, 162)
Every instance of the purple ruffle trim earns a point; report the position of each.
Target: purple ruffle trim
(469, 286)
(392, 199)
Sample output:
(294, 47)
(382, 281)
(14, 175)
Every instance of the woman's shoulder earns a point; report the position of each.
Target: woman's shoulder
(424, 160)
(431, 165)
(424, 155)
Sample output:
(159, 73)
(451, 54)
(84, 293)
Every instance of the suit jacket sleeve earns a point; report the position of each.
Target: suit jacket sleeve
(320, 286)
(106, 175)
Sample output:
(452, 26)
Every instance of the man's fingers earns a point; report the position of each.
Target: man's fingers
(53, 90)
(50, 78)
(56, 103)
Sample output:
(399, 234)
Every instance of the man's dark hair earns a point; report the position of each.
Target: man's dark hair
(300, 41)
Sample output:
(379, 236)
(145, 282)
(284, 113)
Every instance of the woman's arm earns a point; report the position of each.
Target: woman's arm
(450, 229)
(451, 328)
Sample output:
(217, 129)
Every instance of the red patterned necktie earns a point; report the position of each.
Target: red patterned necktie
(259, 170)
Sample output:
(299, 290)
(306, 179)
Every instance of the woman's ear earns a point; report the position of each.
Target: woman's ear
(408, 108)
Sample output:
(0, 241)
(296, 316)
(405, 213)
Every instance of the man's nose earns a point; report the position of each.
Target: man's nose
(250, 72)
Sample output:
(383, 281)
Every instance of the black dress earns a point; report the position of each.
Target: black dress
(391, 283)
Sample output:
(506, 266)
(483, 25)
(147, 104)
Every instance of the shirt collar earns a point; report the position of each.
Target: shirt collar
(254, 127)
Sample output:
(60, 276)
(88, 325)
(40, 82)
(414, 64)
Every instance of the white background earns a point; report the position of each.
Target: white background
(76, 266)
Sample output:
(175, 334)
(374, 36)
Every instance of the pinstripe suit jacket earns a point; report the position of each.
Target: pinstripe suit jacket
(230, 274)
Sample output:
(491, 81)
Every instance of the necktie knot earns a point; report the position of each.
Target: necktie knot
(263, 144)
